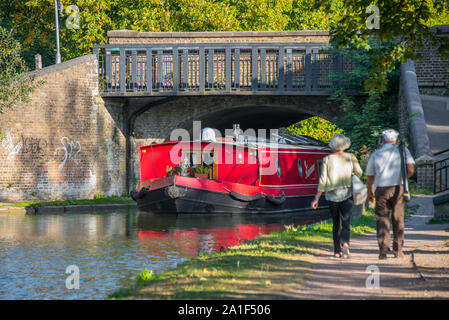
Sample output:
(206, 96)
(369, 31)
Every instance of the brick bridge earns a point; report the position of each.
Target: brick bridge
(80, 133)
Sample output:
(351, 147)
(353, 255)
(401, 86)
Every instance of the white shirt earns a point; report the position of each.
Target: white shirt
(385, 165)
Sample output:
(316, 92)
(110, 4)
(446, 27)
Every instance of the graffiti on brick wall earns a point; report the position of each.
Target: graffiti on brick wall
(32, 145)
(12, 148)
(71, 149)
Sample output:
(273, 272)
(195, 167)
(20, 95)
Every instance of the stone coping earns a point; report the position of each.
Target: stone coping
(441, 198)
(213, 34)
(82, 208)
(63, 65)
(419, 136)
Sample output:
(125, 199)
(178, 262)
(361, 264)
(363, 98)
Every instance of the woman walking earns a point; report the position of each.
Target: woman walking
(336, 183)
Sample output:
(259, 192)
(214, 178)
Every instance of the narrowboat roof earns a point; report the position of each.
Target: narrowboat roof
(280, 141)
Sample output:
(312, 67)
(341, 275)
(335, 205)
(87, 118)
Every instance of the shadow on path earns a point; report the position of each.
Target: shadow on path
(422, 274)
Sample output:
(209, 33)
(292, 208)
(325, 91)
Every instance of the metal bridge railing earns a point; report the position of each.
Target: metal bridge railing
(285, 68)
(441, 177)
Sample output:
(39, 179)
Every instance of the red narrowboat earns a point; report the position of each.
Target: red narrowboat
(237, 174)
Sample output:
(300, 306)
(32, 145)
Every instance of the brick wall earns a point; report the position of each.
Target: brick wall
(64, 143)
(432, 70)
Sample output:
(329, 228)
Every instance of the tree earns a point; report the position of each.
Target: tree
(404, 28)
(14, 85)
(364, 116)
(315, 127)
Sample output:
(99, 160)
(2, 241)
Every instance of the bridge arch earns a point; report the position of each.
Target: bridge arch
(154, 121)
(262, 112)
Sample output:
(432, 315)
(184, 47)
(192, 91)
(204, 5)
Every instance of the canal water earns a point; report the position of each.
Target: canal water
(110, 248)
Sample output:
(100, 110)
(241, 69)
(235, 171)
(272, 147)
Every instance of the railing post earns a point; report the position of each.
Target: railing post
(122, 67)
(175, 69)
(210, 68)
(308, 74)
(335, 68)
(254, 65)
(263, 68)
(134, 71)
(289, 69)
(108, 69)
(281, 69)
(202, 75)
(149, 71)
(341, 64)
(228, 68)
(185, 69)
(237, 68)
(159, 70)
(315, 69)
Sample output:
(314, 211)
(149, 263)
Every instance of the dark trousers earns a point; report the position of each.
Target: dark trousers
(390, 199)
(341, 215)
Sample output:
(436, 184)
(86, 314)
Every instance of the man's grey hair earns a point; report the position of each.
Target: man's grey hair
(339, 142)
(390, 135)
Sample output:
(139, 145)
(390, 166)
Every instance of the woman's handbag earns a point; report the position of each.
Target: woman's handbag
(359, 190)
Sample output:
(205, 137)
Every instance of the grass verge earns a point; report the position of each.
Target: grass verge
(270, 266)
(436, 221)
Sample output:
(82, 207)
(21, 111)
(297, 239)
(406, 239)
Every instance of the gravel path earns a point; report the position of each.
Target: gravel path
(422, 273)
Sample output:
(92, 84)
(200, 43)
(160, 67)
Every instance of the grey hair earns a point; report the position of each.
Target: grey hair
(339, 142)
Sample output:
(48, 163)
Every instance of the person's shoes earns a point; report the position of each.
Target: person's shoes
(399, 254)
(383, 254)
(337, 255)
(345, 254)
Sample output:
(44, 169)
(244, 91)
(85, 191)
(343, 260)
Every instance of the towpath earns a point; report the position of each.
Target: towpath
(422, 273)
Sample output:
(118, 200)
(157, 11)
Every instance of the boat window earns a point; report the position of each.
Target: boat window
(300, 167)
(278, 168)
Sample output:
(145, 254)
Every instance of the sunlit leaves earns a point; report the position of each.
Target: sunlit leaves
(315, 127)
(404, 24)
(13, 86)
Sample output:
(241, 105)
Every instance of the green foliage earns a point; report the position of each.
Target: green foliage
(315, 127)
(170, 171)
(14, 86)
(202, 169)
(145, 276)
(364, 117)
(34, 20)
(403, 28)
(365, 224)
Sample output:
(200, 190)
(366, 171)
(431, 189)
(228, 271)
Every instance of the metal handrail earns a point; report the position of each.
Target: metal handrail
(441, 152)
(440, 176)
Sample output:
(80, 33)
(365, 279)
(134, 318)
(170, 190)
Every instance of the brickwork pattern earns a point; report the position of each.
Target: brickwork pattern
(61, 144)
(128, 36)
(432, 70)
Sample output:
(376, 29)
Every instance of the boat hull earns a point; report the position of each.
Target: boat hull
(182, 199)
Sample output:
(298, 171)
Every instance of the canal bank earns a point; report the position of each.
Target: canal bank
(298, 264)
(271, 266)
(67, 206)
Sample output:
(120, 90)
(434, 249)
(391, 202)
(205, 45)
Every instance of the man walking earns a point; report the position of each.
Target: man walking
(384, 171)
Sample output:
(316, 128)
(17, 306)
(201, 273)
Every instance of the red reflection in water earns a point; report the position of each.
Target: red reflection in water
(192, 242)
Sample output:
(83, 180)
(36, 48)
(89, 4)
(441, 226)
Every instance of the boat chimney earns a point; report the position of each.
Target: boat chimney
(236, 129)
